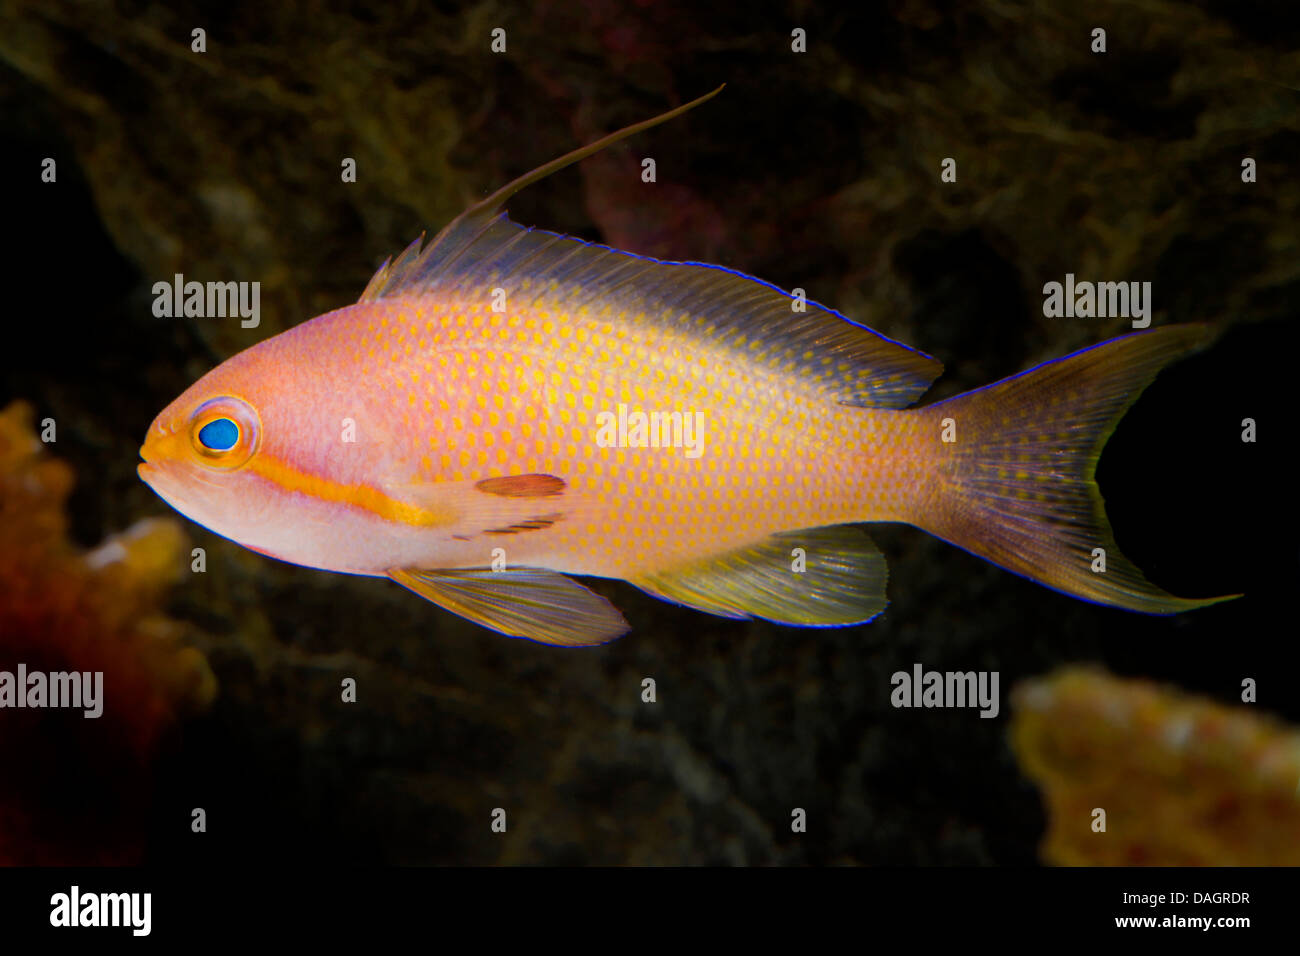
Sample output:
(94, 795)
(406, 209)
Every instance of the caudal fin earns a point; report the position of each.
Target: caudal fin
(1016, 486)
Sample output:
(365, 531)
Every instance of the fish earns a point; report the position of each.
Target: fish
(505, 408)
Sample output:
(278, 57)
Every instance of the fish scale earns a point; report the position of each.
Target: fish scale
(492, 406)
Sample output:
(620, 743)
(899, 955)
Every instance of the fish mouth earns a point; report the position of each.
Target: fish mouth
(145, 469)
(159, 478)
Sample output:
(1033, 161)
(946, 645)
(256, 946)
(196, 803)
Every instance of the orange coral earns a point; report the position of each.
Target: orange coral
(74, 789)
(1184, 781)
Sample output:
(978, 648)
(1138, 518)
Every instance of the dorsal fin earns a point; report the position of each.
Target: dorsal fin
(759, 324)
(414, 268)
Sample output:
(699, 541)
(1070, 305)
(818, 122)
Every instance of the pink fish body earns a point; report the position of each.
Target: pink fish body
(509, 406)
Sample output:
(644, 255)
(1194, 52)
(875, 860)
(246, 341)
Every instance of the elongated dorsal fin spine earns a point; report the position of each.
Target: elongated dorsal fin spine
(497, 200)
(417, 261)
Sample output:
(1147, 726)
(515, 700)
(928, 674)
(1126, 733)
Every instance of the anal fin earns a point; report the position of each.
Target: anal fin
(842, 580)
(534, 603)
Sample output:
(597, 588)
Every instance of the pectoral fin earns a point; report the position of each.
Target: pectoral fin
(534, 603)
(507, 504)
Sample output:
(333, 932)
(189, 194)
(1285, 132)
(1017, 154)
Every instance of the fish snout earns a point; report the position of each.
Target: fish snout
(153, 455)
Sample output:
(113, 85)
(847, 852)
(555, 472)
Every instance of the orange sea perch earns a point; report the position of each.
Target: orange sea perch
(508, 406)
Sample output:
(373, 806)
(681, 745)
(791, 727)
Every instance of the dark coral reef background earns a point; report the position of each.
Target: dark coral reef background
(817, 170)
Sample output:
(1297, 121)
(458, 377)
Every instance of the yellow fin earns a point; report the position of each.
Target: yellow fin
(1020, 490)
(842, 580)
(534, 603)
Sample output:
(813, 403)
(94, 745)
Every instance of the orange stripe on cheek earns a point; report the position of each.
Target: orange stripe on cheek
(288, 478)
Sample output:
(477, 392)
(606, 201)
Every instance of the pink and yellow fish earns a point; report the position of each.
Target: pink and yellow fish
(505, 407)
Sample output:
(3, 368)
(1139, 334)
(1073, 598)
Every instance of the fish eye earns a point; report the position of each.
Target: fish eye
(220, 434)
(225, 431)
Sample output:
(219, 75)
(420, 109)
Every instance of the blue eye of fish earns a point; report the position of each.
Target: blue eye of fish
(220, 434)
